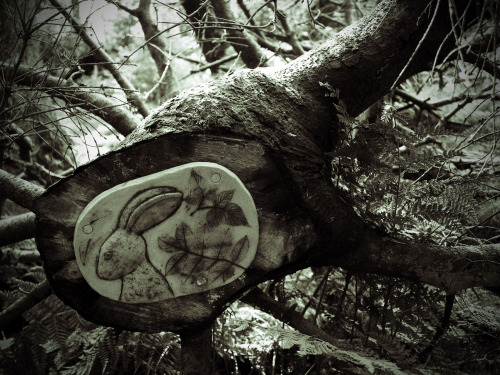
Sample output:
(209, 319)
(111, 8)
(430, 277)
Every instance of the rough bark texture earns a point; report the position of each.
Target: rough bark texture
(17, 228)
(22, 192)
(271, 128)
(241, 40)
(450, 269)
(210, 38)
(157, 46)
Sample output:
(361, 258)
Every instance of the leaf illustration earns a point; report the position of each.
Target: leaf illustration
(181, 234)
(178, 243)
(211, 195)
(240, 250)
(196, 177)
(195, 197)
(228, 273)
(199, 260)
(223, 198)
(235, 215)
(215, 217)
(169, 244)
(176, 264)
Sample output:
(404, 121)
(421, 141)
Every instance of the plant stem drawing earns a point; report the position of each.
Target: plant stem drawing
(199, 262)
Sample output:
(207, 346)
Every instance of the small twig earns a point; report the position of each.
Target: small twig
(418, 46)
(111, 112)
(215, 63)
(103, 56)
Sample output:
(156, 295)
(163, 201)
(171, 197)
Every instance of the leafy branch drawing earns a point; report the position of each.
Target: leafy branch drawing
(199, 263)
(220, 209)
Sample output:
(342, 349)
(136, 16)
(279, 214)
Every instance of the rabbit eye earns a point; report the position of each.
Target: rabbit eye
(108, 255)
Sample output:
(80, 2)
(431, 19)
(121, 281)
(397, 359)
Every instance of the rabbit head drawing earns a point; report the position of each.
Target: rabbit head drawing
(126, 249)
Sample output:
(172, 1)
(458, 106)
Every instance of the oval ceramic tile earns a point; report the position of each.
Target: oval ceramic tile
(181, 231)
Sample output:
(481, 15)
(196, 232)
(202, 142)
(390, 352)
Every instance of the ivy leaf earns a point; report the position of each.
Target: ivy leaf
(211, 195)
(223, 198)
(235, 216)
(195, 197)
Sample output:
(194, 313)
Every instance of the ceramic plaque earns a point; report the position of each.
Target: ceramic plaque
(181, 231)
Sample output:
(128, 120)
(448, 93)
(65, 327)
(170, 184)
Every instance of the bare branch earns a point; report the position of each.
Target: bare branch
(22, 192)
(110, 111)
(251, 53)
(482, 63)
(210, 39)
(155, 41)
(17, 228)
(107, 61)
(449, 268)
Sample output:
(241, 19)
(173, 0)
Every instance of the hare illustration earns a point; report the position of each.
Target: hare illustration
(124, 253)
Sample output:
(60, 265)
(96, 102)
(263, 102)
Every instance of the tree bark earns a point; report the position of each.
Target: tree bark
(241, 40)
(156, 45)
(209, 37)
(17, 228)
(22, 192)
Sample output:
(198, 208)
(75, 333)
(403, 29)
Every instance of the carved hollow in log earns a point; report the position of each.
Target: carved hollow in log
(283, 227)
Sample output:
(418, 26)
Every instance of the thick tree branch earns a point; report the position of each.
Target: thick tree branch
(372, 52)
(107, 62)
(17, 228)
(110, 111)
(22, 192)
(448, 268)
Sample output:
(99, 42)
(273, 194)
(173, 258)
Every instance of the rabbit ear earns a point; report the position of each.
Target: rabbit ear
(149, 208)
